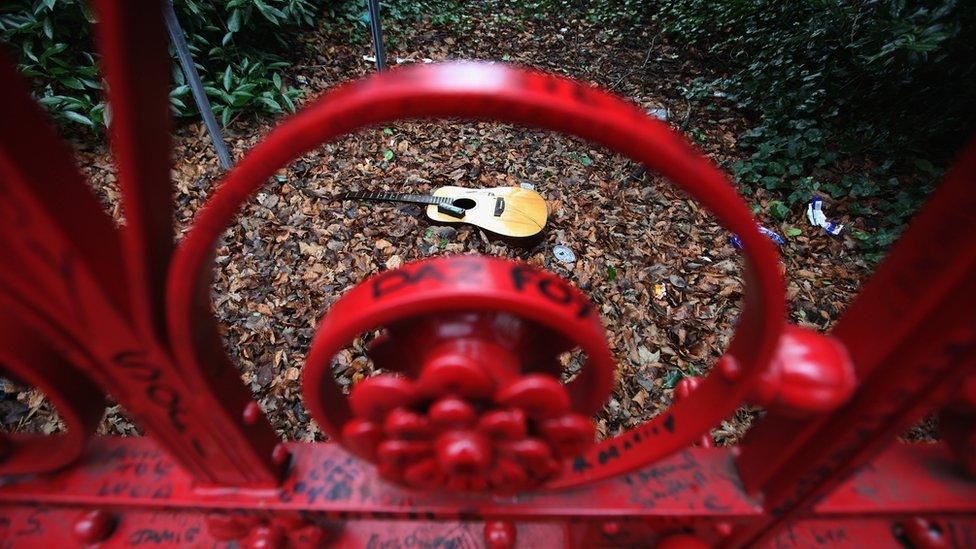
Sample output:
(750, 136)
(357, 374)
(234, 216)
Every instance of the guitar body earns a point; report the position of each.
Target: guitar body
(511, 212)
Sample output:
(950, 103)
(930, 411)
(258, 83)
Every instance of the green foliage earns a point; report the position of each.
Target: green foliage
(860, 100)
(237, 45)
(608, 12)
(843, 61)
(351, 17)
(833, 80)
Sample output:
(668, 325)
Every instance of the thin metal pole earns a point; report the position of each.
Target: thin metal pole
(377, 29)
(196, 85)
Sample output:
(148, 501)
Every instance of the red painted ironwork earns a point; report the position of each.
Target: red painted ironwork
(473, 399)
(468, 437)
(911, 334)
(957, 424)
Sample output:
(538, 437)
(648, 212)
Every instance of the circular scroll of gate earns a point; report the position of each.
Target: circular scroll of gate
(28, 359)
(500, 401)
(501, 93)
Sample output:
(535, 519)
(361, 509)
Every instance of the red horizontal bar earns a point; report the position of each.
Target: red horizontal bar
(52, 527)
(696, 483)
(135, 472)
(906, 478)
(860, 532)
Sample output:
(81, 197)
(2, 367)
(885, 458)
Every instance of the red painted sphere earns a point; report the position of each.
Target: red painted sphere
(93, 526)
(500, 534)
(463, 452)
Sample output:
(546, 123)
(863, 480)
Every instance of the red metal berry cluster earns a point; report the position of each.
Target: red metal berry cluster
(465, 425)
(268, 530)
(471, 350)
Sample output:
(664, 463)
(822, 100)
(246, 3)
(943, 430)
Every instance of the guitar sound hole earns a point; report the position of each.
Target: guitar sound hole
(466, 203)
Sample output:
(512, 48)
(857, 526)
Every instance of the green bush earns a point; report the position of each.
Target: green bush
(844, 63)
(860, 99)
(238, 46)
(351, 17)
(891, 81)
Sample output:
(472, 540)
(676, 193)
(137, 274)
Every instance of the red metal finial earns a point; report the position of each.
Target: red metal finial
(500, 534)
(94, 526)
(811, 373)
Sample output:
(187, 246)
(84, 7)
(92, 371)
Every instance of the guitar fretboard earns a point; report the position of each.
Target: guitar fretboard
(398, 197)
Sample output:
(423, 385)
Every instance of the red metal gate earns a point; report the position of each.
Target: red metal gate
(469, 439)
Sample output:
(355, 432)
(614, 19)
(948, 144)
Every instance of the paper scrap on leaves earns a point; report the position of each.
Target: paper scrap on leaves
(819, 219)
(660, 291)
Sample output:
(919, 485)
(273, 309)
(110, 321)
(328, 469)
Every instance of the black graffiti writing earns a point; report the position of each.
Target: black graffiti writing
(163, 395)
(33, 528)
(459, 270)
(659, 472)
(455, 538)
(154, 536)
(580, 464)
(120, 453)
(333, 482)
(606, 455)
(125, 488)
(553, 289)
(711, 503)
(650, 485)
(829, 536)
(157, 469)
(628, 442)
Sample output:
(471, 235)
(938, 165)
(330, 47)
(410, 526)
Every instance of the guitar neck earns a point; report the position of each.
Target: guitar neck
(398, 197)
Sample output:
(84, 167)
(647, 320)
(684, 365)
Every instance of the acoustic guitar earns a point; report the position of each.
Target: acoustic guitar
(509, 212)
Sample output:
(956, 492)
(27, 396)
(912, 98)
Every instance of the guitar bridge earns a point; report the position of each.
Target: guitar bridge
(499, 206)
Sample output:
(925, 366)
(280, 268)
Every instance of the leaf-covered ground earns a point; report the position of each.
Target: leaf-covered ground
(663, 273)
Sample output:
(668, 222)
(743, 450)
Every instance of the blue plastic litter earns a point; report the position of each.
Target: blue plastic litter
(734, 239)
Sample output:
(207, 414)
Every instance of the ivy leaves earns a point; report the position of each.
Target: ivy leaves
(839, 88)
(237, 45)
